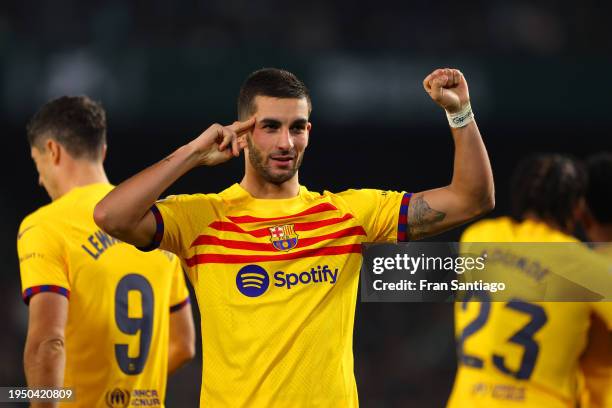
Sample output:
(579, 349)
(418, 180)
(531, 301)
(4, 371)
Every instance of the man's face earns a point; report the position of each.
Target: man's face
(44, 166)
(279, 138)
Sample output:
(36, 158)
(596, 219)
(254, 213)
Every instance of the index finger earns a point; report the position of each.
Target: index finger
(427, 82)
(241, 127)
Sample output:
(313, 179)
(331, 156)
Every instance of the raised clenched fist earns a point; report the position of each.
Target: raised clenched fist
(448, 88)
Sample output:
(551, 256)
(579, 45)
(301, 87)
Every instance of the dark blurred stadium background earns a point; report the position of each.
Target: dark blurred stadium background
(539, 76)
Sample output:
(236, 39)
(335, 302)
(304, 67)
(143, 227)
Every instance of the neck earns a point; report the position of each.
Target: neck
(79, 173)
(600, 233)
(260, 188)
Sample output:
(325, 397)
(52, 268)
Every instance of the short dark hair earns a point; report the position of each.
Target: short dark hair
(273, 82)
(76, 122)
(599, 191)
(549, 186)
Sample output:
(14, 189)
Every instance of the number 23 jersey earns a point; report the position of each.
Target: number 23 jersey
(120, 299)
(520, 353)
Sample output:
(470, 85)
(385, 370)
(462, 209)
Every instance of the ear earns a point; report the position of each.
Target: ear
(308, 129)
(104, 150)
(54, 149)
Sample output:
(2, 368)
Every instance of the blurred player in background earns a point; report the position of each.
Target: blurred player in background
(597, 224)
(104, 318)
(597, 218)
(520, 353)
(274, 265)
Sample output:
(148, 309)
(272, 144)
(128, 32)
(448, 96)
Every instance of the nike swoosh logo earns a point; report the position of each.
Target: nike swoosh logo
(23, 232)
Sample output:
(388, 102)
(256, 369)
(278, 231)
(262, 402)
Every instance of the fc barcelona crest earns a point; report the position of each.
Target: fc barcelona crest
(283, 237)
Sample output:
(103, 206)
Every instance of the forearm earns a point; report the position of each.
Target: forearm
(181, 344)
(469, 195)
(124, 212)
(472, 174)
(125, 206)
(177, 357)
(44, 366)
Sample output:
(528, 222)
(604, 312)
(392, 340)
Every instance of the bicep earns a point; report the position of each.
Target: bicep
(144, 232)
(434, 211)
(139, 233)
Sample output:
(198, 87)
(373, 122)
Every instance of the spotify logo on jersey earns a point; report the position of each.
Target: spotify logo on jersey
(252, 280)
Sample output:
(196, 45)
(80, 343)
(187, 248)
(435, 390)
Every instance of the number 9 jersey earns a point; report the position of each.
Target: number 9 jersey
(120, 299)
(518, 353)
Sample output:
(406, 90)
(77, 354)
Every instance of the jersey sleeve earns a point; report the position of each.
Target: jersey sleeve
(179, 294)
(177, 219)
(383, 214)
(42, 264)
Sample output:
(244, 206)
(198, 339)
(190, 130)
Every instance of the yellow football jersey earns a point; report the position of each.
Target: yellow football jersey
(117, 334)
(276, 281)
(597, 358)
(520, 353)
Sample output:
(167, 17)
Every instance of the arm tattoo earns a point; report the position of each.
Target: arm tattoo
(421, 218)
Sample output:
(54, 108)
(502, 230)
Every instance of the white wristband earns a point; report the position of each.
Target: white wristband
(461, 118)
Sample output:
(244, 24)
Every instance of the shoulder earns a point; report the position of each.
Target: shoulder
(487, 230)
(43, 218)
(357, 195)
(193, 210)
(356, 191)
(191, 200)
(40, 232)
(364, 193)
(364, 198)
(184, 198)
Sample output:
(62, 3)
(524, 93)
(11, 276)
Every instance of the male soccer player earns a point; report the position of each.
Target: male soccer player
(597, 224)
(275, 266)
(104, 318)
(522, 353)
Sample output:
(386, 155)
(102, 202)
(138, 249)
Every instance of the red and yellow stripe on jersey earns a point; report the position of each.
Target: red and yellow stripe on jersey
(517, 353)
(276, 281)
(120, 299)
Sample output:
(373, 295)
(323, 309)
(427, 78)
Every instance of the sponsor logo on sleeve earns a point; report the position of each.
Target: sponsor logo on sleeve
(24, 231)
